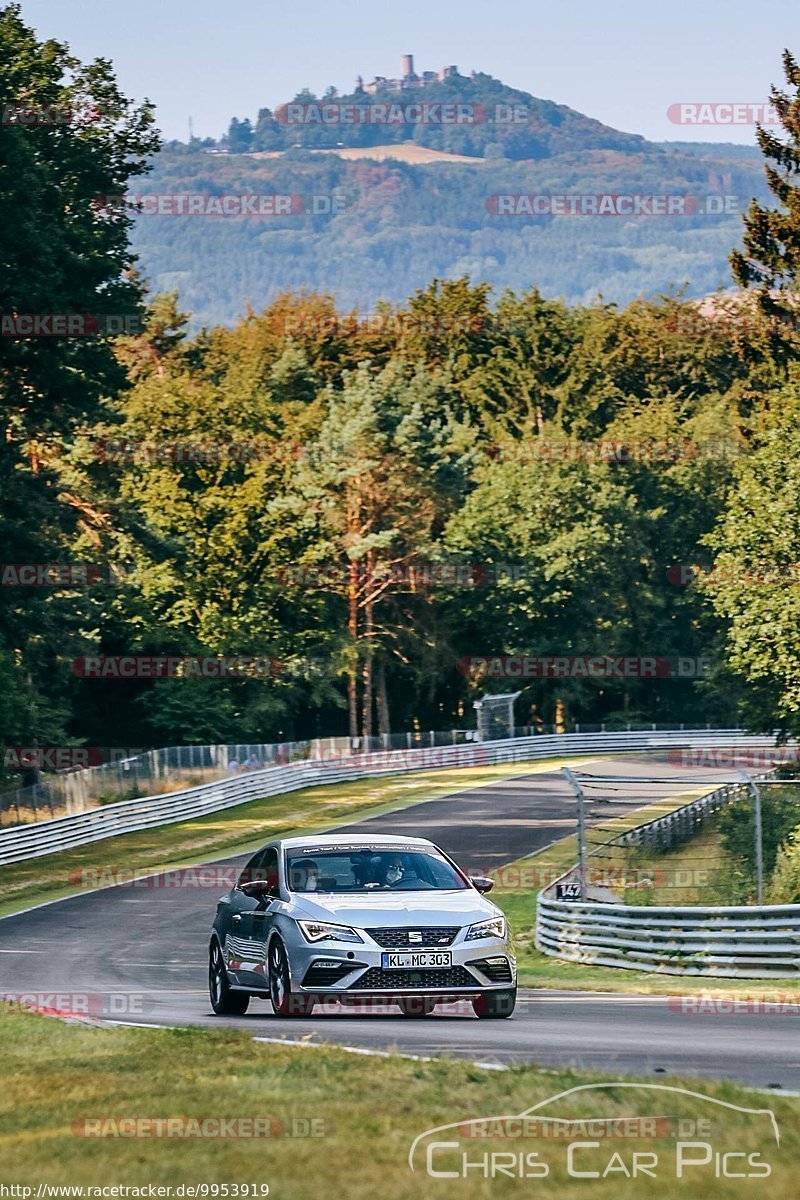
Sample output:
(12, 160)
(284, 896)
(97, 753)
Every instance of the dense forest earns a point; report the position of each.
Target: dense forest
(383, 230)
(326, 522)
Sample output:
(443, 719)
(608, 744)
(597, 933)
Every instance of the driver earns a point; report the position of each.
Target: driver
(393, 871)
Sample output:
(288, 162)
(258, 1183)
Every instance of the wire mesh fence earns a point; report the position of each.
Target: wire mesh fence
(708, 851)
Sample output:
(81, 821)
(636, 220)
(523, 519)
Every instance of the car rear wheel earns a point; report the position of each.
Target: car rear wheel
(285, 1003)
(416, 1006)
(224, 1000)
(495, 1005)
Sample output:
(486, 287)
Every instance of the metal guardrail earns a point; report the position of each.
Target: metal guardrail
(131, 774)
(739, 942)
(22, 842)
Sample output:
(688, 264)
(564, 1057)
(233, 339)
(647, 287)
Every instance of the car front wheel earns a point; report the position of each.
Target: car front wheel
(224, 1000)
(495, 1005)
(285, 1003)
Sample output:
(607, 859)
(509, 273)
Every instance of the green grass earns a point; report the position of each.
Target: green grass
(241, 829)
(367, 1110)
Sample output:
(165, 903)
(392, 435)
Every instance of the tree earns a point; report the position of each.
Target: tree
(363, 504)
(771, 256)
(754, 583)
(61, 252)
(267, 133)
(779, 813)
(239, 138)
(784, 886)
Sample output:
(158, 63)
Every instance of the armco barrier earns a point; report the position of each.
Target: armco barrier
(31, 841)
(742, 943)
(753, 942)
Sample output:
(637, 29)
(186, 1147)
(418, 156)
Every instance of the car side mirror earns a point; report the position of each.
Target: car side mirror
(481, 883)
(258, 889)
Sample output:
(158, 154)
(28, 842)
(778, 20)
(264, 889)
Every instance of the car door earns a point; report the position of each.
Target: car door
(250, 922)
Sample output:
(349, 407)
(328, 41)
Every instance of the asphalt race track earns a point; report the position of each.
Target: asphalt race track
(140, 954)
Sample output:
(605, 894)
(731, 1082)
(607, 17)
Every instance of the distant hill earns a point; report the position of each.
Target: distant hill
(477, 116)
(380, 226)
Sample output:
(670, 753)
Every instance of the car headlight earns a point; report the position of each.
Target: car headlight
(494, 927)
(317, 931)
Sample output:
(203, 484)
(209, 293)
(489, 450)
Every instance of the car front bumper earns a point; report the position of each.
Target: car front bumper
(338, 968)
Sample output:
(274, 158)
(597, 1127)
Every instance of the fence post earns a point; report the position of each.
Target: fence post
(756, 794)
(578, 790)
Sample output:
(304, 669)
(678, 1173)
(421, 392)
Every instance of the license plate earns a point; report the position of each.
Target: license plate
(406, 959)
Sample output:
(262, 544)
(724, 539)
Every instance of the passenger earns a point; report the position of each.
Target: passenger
(312, 877)
(298, 876)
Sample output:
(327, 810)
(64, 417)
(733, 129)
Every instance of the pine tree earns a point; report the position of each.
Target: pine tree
(771, 257)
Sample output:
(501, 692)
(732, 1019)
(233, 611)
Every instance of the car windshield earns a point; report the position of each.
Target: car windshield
(371, 870)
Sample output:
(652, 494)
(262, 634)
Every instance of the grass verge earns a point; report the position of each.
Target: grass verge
(365, 1113)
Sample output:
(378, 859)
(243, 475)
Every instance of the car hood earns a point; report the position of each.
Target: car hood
(378, 909)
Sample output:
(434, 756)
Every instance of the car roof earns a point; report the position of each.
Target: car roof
(353, 839)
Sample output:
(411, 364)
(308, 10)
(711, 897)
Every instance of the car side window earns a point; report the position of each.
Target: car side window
(254, 869)
(269, 867)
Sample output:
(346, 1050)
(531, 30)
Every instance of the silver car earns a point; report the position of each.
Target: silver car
(349, 917)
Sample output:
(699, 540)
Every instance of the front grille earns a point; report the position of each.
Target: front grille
(378, 980)
(499, 972)
(321, 976)
(432, 935)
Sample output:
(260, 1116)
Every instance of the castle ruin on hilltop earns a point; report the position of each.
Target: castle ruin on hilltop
(408, 80)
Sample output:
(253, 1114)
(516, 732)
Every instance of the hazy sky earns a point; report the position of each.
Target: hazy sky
(623, 62)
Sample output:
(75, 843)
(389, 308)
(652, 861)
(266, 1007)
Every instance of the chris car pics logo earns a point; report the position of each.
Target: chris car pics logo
(614, 1131)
